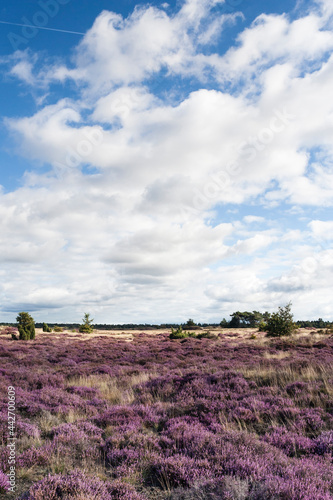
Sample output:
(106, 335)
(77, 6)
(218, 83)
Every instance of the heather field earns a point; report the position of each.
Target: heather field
(134, 416)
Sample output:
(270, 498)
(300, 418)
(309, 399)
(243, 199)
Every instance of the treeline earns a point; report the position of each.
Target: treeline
(318, 323)
(104, 326)
(254, 319)
(239, 319)
(245, 319)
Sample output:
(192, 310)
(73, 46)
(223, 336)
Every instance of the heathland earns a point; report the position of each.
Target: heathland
(136, 415)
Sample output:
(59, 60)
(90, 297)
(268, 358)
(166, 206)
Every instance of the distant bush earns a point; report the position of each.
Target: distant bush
(191, 325)
(46, 328)
(281, 323)
(86, 326)
(180, 333)
(26, 326)
(58, 329)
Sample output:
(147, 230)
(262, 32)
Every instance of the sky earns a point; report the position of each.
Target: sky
(165, 161)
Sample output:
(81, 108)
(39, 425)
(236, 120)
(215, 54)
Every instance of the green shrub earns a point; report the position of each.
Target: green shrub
(86, 326)
(180, 333)
(281, 323)
(26, 326)
(262, 327)
(46, 328)
(58, 329)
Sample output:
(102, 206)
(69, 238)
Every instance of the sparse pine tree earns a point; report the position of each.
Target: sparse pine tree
(26, 326)
(281, 323)
(86, 326)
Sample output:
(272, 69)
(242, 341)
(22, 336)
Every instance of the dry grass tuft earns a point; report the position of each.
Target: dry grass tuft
(111, 388)
(281, 376)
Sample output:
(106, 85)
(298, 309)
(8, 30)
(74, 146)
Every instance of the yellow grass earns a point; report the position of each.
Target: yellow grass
(111, 388)
(271, 375)
(279, 355)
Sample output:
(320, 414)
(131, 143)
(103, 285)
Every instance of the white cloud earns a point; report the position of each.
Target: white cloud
(322, 232)
(142, 230)
(24, 71)
(250, 219)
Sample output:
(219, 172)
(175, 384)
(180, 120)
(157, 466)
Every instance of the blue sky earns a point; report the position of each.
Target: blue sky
(173, 160)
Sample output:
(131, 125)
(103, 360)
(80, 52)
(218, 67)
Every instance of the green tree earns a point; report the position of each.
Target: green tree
(235, 321)
(281, 323)
(245, 319)
(190, 322)
(266, 316)
(26, 326)
(46, 328)
(321, 323)
(86, 326)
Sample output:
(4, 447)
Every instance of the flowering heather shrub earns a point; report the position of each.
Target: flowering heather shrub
(4, 455)
(129, 418)
(22, 428)
(34, 457)
(78, 485)
(26, 379)
(291, 443)
(175, 471)
(324, 443)
(227, 488)
(4, 482)
(123, 491)
(83, 392)
(305, 481)
(79, 441)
